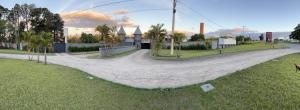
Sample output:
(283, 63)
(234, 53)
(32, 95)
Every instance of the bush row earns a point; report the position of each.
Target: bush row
(194, 47)
(83, 49)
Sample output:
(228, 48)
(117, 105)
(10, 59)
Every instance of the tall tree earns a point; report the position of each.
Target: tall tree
(25, 11)
(57, 28)
(296, 34)
(14, 22)
(3, 11)
(43, 20)
(2, 32)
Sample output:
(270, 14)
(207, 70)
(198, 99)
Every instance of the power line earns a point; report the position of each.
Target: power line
(105, 4)
(145, 10)
(195, 11)
(208, 24)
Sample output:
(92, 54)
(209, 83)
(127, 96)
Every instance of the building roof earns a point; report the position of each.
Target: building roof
(121, 31)
(138, 31)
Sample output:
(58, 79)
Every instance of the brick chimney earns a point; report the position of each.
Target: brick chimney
(202, 28)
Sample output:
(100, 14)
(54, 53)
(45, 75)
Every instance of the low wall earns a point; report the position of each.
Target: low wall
(116, 50)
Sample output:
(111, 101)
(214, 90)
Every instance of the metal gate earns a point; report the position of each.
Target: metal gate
(59, 47)
(145, 45)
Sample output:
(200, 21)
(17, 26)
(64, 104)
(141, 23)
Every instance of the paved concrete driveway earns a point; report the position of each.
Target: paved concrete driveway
(140, 71)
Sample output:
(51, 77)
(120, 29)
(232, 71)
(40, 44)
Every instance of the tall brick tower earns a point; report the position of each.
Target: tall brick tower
(202, 28)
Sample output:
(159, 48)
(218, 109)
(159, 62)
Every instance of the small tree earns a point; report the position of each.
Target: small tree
(34, 44)
(46, 39)
(157, 34)
(26, 37)
(296, 34)
(178, 38)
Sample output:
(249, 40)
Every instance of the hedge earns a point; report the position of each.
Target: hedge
(194, 47)
(83, 49)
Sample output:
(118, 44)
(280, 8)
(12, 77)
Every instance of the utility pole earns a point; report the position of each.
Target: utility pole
(173, 26)
(244, 30)
(243, 33)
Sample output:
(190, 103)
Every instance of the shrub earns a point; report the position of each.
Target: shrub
(197, 37)
(83, 49)
(88, 38)
(194, 47)
(240, 38)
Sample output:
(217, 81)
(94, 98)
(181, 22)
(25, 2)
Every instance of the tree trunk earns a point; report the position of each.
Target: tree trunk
(45, 54)
(177, 53)
(38, 56)
(21, 46)
(179, 49)
(33, 50)
(28, 50)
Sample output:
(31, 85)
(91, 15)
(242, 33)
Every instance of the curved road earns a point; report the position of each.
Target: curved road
(140, 71)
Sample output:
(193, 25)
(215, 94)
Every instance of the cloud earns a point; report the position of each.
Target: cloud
(120, 12)
(230, 32)
(91, 19)
(187, 32)
(126, 21)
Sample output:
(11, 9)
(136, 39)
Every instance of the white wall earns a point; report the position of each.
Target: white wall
(227, 41)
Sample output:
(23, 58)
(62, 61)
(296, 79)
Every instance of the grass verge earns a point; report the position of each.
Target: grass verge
(12, 51)
(97, 55)
(188, 54)
(26, 85)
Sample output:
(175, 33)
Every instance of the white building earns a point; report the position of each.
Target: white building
(224, 42)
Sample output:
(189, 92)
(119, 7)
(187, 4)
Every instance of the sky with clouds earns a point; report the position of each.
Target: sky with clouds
(257, 15)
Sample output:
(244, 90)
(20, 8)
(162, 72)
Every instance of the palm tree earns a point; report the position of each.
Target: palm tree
(46, 39)
(34, 44)
(157, 34)
(178, 38)
(26, 37)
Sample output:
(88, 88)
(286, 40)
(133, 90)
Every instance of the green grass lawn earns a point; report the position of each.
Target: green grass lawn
(12, 51)
(186, 54)
(83, 53)
(26, 85)
(97, 55)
